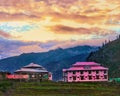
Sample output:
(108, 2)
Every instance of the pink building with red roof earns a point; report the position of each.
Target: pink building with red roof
(85, 72)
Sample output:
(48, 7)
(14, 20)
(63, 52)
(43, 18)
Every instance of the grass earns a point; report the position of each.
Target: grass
(5, 85)
(59, 89)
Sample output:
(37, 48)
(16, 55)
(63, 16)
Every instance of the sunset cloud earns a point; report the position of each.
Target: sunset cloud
(42, 25)
(61, 29)
(81, 11)
(5, 34)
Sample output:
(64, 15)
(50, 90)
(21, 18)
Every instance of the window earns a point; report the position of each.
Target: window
(105, 77)
(74, 77)
(97, 77)
(82, 77)
(70, 78)
(86, 77)
(81, 72)
(97, 72)
(74, 72)
(89, 72)
(90, 77)
(105, 71)
(101, 77)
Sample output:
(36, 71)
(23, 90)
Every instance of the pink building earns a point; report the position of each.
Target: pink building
(85, 72)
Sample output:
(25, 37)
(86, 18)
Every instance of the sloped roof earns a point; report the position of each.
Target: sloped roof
(86, 66)
(32, 65)
(91, 68)
(85, 63)
(30, 70)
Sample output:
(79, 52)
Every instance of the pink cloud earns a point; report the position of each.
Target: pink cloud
(5, 34)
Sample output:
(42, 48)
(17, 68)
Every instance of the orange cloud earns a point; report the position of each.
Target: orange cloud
(84, 11)
(61, 29)
(78, 18)
(16, 16)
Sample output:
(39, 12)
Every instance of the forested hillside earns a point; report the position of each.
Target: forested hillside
(108, 55)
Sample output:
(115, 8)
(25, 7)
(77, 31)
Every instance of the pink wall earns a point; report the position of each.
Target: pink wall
(50, 76)
(86, 76)
(88, 72)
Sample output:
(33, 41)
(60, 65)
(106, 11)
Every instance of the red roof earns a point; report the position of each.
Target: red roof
(86, 66)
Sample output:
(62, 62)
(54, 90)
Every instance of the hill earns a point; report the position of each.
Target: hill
(109, 56)
(53, 60)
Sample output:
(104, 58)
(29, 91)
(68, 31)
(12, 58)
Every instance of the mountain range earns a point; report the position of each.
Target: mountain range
(53, 60)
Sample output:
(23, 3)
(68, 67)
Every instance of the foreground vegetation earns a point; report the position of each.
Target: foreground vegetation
(10, 88)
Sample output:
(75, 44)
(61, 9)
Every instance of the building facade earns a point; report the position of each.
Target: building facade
(31, 72)
(85, 72)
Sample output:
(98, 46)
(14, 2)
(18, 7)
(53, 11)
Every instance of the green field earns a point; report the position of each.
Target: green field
(10, 88)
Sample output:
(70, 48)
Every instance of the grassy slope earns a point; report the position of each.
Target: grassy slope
(62, 89)
(109, 56)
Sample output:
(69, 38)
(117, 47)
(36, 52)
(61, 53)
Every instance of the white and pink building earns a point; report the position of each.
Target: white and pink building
(85, 72)
(31, 72)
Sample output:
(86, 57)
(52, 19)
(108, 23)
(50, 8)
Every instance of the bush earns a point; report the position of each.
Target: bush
(5, 85)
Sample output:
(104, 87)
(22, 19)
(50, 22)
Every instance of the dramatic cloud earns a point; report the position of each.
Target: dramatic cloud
(61, 29)
(16, 16)
(41, 25)
(79, 10)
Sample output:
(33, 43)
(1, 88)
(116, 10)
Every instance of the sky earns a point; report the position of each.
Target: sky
(41, 25)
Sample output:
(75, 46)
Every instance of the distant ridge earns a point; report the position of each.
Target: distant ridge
(53, 60)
